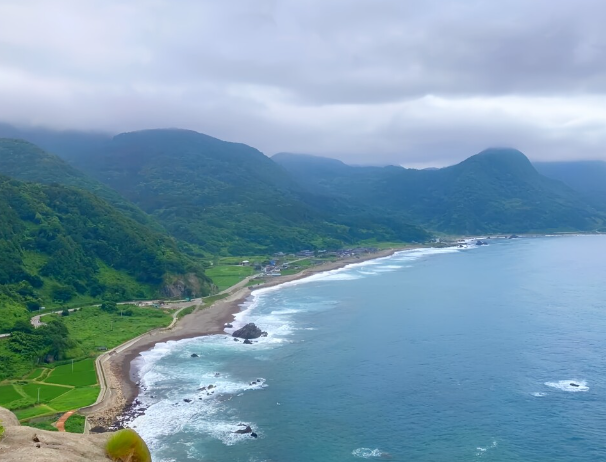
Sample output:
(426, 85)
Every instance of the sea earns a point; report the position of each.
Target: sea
(484, 353)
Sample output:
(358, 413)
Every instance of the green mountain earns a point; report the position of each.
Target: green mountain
(586, 177)
(228, 198)
(25, 161)
(495, 191)
(61, 245)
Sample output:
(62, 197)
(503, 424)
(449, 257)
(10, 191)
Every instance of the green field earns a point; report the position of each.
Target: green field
(8, 394)
(73, 390)
(75, 399)
(83, 374)
(34, 374)
(225, 275)
(92, 327)
(47, 392)
(33, 412)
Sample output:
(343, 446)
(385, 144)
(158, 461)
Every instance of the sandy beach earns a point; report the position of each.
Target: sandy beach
(118, 381)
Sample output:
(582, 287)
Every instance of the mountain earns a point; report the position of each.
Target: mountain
(228, 198)
(60, 244)
(25, 161)
(586, 177)
(495, 191)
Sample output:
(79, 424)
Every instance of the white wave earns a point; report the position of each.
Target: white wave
(538, 394)
(367, 453)
(482, 450)
(571, 385)
(390, 267)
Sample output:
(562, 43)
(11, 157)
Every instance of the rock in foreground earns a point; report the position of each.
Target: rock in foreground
(249, 331)
(21, 443)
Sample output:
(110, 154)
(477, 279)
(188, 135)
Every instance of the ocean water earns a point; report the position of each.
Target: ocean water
(429, 355)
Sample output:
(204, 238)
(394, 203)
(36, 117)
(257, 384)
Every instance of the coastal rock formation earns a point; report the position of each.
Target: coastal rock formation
(194, 355)
(247, 342)
(244, 430)
(249, 331)
(21, 443)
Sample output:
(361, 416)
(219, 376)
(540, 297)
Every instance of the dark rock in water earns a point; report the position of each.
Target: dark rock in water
(572, 384)
(236, 340)
(194, 355)
(264, 334)
(244, 430)
(513, 236)
(202, 389)
(249, 331)
(211, 386)
(247, 342)
(187, 400)
(481, 243)
(217, 374)
(228, 325)
(254, 435)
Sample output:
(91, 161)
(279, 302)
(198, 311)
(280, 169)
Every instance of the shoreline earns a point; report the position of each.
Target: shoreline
(121, 388)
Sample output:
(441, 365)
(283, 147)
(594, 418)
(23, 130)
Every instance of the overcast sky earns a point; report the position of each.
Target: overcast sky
(416, 83)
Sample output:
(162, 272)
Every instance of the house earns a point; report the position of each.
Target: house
(245, 263)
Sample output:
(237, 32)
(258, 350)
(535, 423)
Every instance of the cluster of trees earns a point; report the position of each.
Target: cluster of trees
(47, 343)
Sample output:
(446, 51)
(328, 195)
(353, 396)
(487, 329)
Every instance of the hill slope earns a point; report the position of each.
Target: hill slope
(226, 197)
(25, 161)
(496, 191)
(59, 243)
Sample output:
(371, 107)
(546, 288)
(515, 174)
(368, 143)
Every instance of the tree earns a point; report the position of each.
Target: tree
(109, 306)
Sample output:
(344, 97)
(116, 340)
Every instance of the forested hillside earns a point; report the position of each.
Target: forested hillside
(496, 191)
(59, 244)
(228, 198)
(25, 161)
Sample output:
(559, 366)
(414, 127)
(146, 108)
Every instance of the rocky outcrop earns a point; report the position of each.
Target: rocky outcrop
(21, 443)
(249, 331)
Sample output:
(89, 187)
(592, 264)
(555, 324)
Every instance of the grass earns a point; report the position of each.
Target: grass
(210, 300)
(75, 399)
(225, 276)
(75, 423)
(8, 394)
(47, 392)
(44, 423)
(34, 374)
(92, 327)
(185, 311)
(83, 374)
(127, 445)
(30, 412)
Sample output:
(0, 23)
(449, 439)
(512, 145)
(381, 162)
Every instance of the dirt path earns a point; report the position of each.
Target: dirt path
(61, 421)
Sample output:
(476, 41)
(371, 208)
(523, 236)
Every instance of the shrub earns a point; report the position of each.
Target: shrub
(127, 446)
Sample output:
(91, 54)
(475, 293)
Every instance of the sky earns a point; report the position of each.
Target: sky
(414, 83)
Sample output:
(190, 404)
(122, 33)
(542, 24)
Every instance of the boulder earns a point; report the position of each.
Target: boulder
(228, 325)
(187, 400)
(243, 431)
(572, 384)
(254, 435)
(194, 355)
(249, 331)
(247, 342)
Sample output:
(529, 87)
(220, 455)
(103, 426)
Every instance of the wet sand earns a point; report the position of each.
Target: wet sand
(119, 387)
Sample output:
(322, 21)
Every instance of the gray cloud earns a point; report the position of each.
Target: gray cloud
(367, 81)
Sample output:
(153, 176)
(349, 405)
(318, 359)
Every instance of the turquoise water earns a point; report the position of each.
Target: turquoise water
(450, 355)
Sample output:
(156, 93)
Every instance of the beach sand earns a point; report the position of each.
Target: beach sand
(118, 379)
